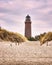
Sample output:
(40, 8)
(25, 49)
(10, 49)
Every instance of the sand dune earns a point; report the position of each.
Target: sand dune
(27, 53)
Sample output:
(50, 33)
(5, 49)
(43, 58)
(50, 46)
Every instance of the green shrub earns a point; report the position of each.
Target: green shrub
(31, 39)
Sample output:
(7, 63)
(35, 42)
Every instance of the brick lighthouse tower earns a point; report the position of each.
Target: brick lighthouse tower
(28, 27)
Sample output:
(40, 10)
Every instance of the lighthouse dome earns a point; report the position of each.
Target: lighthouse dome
(27, 16)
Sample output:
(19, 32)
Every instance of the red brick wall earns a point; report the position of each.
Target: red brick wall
(28, 29)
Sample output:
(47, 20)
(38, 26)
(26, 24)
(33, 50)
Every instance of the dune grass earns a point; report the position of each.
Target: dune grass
(47, 37)
(11, 36)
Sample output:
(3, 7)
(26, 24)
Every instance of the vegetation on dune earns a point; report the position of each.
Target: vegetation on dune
(10, 36)
(47, 37)
(37, 37)
(16, 37)
(31, 39)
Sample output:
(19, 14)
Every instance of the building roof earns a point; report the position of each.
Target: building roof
(27, 16)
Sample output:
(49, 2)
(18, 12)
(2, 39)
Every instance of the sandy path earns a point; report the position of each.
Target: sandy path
(26, 53)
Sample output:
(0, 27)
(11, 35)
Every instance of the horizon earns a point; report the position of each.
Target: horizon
(13, 13)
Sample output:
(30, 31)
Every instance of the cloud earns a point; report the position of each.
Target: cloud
(13, 13)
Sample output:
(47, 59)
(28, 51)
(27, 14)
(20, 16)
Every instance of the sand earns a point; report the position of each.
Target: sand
(27, 53)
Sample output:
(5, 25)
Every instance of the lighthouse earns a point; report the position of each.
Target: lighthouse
(28, 26)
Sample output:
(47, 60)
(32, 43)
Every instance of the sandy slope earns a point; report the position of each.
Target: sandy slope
(25, 52)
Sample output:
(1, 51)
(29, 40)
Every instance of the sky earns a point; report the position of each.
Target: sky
(13, 13)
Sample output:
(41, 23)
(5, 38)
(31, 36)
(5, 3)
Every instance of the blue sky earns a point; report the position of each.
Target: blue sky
(13, 13)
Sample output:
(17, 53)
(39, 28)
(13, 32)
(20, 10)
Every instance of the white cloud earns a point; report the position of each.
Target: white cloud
(13, 12)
